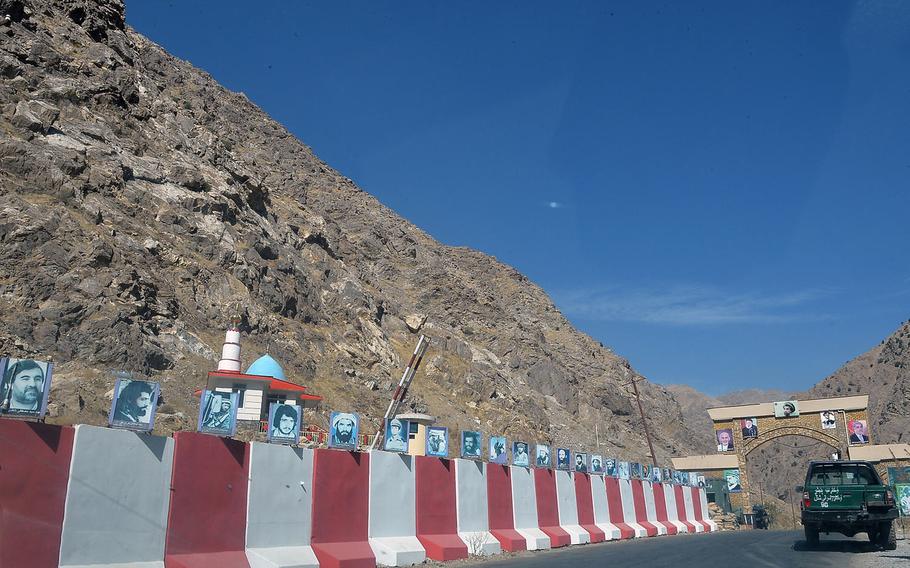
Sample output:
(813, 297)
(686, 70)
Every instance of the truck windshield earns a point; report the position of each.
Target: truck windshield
(842, 474)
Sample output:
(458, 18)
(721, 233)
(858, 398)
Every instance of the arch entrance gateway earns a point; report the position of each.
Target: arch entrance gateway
(841, 423)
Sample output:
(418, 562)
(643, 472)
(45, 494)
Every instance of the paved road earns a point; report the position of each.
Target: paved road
(752, 549)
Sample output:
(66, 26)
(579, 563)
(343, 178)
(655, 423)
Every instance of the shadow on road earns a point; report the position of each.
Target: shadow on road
(848, 546)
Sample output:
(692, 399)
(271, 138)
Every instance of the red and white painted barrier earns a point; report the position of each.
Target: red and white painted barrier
(472, 510)
(651, 508)
(524, 503)
(660, 506)
(641, 512)
(602, 510)
(500, 510)
(705, 516)
(690, 509)
(393, 510)
(437, 524)
(628, 509)
(341, 493)
(681, 511)
(567, 508)
(695, 499)
(618, 510)
(547, 508)
(673, 510)
(584, 501)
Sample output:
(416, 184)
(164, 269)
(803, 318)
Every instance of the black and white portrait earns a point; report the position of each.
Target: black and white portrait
(623, 469)
(498, 453)
(343, 430)
(597, 464)
(635, 470)
(563, 459)
(218, 413)
(542, 456)
(284, 423)
(667, 475)
(655, 474)
(581, 462)
(437, 441)
(396, 435)
(134, 404)
(829, 420)
(25, 386)
(520, 454)
(470, 445)
(610, 468)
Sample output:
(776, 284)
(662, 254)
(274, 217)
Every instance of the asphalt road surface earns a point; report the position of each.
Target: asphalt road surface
(752, 549)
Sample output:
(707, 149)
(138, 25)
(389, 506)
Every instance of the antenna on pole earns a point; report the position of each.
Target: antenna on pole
(403, 385)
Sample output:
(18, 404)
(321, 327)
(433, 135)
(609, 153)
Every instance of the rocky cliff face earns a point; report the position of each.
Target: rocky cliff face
(143, 204)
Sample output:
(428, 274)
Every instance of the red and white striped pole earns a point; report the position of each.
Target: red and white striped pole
(403, 386)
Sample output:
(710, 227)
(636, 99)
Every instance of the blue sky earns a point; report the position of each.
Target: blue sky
(720, 193)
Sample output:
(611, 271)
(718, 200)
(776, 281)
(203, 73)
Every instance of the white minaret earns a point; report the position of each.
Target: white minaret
(230, 352)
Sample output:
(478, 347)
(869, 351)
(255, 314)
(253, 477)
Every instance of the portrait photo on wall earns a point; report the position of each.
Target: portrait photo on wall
(542, 456)
(24, 387)
(284, 423)
(610, 467)
(623, 470)
(563, 458)
(732, 478)
(597, 464)
(635, 470)
(396, 435)
(685, 478)
(724, 440)
(829, 419)
(667, 475)
(438, 441)
(677, 477)
(218, 413)
(581, 462)
(134, 404)
(520, 454)
(498, 453)
(749, 427)
(902, 496)
(470, 445)
(858, 432)
(655, 474)
(343, 430)
(786, 409)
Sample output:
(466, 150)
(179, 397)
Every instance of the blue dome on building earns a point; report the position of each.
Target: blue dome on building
(265, 366)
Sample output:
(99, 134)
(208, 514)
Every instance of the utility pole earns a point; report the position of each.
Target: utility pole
(644, 422)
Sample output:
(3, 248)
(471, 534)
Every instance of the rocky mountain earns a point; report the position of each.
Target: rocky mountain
(143, 205)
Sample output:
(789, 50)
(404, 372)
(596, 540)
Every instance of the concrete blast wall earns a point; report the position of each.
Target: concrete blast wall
(117, 500)
(602, 509)
(660, 507)
(499, 508)
(547, 508)
(472, 507)
(567, 507)
(696, 507)
(524, 501)
(641, 510)
(706, 517)
(585, 505)
(628, 508)
(393, 506)
(34, 468)
(341, 493)
(437, 523)
(680, 507)
(279, 507)
(689, 508)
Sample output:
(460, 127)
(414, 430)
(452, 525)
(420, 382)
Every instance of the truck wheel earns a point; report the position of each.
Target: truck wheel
(873, 534)
(887, 538)
(811, 535)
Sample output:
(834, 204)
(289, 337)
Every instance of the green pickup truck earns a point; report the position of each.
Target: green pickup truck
(848, 497)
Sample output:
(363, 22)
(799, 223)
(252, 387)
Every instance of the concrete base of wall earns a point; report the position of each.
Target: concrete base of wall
(611, 532)
(577, 535)
(207, 560)
(282, 557)
(443, 547)
(680, 528)
(158, 564)
(398, 550)
(510, 540)
(536, 539)
(344, 554)
(640, 531)
(711, 525)
(480, 543)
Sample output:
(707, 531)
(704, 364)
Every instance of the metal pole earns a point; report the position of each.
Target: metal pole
(403, 386)
(792, 509)
(644, 422)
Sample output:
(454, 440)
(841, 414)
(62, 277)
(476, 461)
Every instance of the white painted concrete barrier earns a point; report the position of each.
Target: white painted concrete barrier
(628, 508)
(472, 514)
(393, 505)
(705, 514)
(568, 508)
(690, 510)
(601, 509)
(279, 507)
(117, 499)
(651, 508)
(672, 514)
(524, 506)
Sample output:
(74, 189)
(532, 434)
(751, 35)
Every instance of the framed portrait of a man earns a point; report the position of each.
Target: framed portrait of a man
(563, 458)
(498, 453)
(655, 475)
(284, 423)
(667, 475)
(828, 419)
(438, 441)
(396, 436)
(470, 445)
(858, 432)
(24, 386)
(635, 470)
(610, 467)
(685, 477)
(520, 454)
(542, 456)
(218, 413)
(724, 440)
(732, 478)
(786, 409)
(581, 462)
(343, 430)
(749, 427)
(597, 464)
(677, 477)
(623, 469)
(134, 404)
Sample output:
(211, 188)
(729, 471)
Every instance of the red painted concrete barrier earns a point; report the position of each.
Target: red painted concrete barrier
(696, 504)
(437, 523)
(547, 508)
(681, 508)
(660, 503)
(499, 505)
(207, 518)
(614, 504)
(341, 500)
(34, 470)
(586, 507)
(641, 513)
